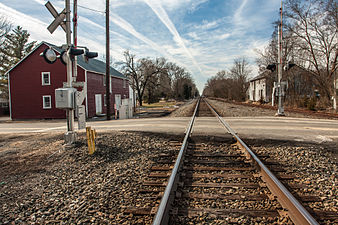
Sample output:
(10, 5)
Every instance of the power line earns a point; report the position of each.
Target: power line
(94, 10)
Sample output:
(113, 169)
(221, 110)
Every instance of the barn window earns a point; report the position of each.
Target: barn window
(47, 101)
(124, 83)
(45, 78)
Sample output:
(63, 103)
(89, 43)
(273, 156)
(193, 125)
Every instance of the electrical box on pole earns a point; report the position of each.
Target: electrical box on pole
(65, 98)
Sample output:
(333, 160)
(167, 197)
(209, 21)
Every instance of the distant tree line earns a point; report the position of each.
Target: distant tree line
(153, 79)
(14, 46)
(310, 40)
(232, 84)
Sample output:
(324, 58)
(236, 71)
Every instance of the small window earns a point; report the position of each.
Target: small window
(45, 78)
(47, 101)
(104, 100)
(124, 83)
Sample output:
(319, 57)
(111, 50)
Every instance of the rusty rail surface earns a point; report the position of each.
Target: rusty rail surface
(295, 210)
(297, 213)
(162, 214)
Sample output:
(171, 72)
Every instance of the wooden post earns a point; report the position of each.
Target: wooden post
(91, 135)
(107, 63)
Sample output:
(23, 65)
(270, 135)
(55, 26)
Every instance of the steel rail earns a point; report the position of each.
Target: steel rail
(162, 214)
(296, 211)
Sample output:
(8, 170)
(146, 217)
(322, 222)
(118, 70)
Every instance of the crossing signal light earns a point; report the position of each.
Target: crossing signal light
(89, 55)
(49, 55)
(75, 51)
(63, 57)
(271, 67)
(290, 65)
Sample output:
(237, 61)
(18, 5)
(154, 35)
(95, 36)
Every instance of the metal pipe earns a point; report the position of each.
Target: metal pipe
(161, 216)
(70, 112)
(297, 212)
(280, 111)
(75, 36)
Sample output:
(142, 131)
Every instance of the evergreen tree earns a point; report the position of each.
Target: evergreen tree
(14, 46)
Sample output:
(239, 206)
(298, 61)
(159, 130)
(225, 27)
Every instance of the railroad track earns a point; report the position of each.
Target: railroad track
(218, 182)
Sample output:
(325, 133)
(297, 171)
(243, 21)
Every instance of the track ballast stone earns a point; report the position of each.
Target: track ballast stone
(73, 187)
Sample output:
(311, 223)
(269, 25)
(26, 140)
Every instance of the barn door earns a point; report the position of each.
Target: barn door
(98, 103)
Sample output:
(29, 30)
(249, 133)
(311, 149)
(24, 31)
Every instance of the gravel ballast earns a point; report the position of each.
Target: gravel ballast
(233, 110)
(313, 165)
(71, 186)
(185, 110)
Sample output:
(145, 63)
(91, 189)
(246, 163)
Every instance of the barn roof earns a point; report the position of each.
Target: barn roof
(93, 65)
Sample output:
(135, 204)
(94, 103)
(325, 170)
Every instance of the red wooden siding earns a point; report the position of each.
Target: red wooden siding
(96, 86)
(26, 88)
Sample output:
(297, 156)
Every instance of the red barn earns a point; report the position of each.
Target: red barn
(32, 83)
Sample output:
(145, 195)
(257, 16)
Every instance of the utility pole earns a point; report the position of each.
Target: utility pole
(280, 111)
(107, 63)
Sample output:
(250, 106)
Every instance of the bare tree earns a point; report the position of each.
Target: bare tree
(230, 85)
(240, 72)
(183, 86)
(314, 24)
(140, 72)
(269, 55)
(153, 69)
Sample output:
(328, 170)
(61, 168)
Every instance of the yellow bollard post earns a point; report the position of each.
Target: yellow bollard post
(91, 135)
(89, 139)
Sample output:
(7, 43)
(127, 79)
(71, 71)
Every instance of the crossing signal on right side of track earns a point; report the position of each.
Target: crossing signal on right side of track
(271, 67)
(289, 65)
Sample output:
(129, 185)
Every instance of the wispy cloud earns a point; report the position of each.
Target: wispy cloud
(238, 13)
(163, 16)
(208, 24)
(201, 35)
(36, 27)
(130, 29)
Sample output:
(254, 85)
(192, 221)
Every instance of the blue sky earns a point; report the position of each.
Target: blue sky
(204, 36)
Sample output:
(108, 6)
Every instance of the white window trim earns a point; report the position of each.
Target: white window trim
(43, 80)
(104, 100)
(43, 102)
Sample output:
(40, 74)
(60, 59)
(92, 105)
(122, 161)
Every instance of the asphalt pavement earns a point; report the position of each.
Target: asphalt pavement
(281, 128)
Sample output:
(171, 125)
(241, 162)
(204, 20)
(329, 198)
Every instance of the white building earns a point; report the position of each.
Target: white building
(258, 88)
